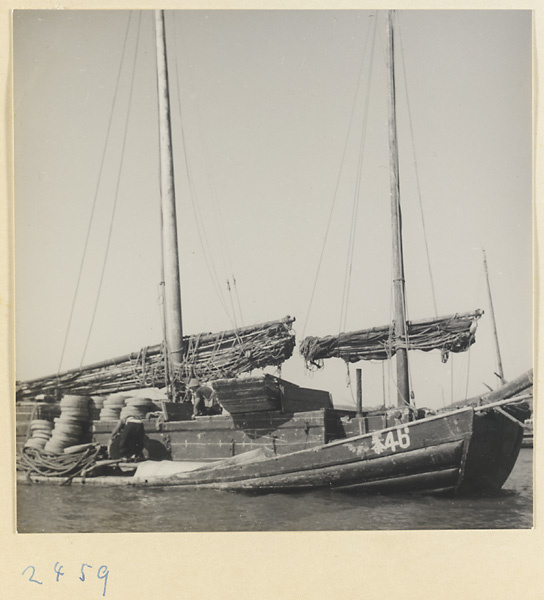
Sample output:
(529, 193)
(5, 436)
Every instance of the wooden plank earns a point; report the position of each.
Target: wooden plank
(188, 438)
(104, 426)
(194, 451)
(245, 387)
(250, 405)
(270, 420)
(432, 481)
(178, 411)
(241, 440)
(264, 393)
(248, 395)
(298, 399)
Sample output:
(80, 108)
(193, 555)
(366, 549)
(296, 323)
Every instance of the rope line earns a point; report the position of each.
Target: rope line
(95, 199)
(45, 464)
(355, 208)
(116, 198)
(200, 224)
(213, 190)
(337, 185)
(216, 206)
(237, 299)
(416, 170)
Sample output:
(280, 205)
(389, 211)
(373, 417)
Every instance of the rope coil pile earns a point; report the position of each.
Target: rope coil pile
(112, 407)
(32, 460)
(39, 434)
(73, 427)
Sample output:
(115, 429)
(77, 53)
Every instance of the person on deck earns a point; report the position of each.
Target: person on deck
(127, 439)
(204, 399)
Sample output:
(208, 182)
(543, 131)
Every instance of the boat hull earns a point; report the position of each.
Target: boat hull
(466, 451)
(463, 451)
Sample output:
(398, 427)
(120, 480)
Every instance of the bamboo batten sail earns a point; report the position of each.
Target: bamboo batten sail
(454, 333)
(208, 356)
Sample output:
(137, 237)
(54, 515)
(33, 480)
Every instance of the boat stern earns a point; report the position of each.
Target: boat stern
(492, 452)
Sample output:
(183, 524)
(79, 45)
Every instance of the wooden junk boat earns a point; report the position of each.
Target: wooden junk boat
(274, 435)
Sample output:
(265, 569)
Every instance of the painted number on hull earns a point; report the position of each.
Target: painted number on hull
(397, 438)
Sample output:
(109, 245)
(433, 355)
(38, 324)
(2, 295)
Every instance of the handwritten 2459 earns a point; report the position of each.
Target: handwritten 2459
(85, 571)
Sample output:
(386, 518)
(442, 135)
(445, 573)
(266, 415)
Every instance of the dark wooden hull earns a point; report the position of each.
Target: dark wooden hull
(470, 450)
(464, 451)
(220, 437)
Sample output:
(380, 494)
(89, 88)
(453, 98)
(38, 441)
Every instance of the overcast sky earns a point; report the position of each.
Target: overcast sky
(264, 100)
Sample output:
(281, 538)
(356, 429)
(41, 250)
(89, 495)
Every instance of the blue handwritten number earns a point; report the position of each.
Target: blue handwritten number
(33, 572)
(58, 571)
(104, 577)
(82, 578)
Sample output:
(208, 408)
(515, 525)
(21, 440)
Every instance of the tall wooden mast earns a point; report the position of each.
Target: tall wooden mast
(172, 292)
(500, 373)
(403, 383)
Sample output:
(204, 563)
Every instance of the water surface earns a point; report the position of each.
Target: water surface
(55, 509)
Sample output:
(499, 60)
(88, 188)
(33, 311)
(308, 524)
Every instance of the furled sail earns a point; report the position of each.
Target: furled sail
(454, 333)
(208, 356)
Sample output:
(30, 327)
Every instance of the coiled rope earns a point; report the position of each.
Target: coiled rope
(45, 464)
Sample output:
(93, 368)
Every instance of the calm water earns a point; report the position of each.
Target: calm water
(54, 509)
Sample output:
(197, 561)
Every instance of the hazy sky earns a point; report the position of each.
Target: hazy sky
(264, 100)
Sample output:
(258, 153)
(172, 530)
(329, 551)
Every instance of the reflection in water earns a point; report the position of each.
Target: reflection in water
(54, 509)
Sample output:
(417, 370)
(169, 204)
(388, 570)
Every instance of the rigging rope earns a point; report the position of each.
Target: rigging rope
(116, 198)
(95, 199)
(355, 209)
(216, 207)
(451, 390)
(468, 374)
(213, 190)
(163, 326)
(416, 170)
(383, 384)
(199, 220)
(479, 292)
(337, 185)
(238, 299)
(200, 227)
(232, 304)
